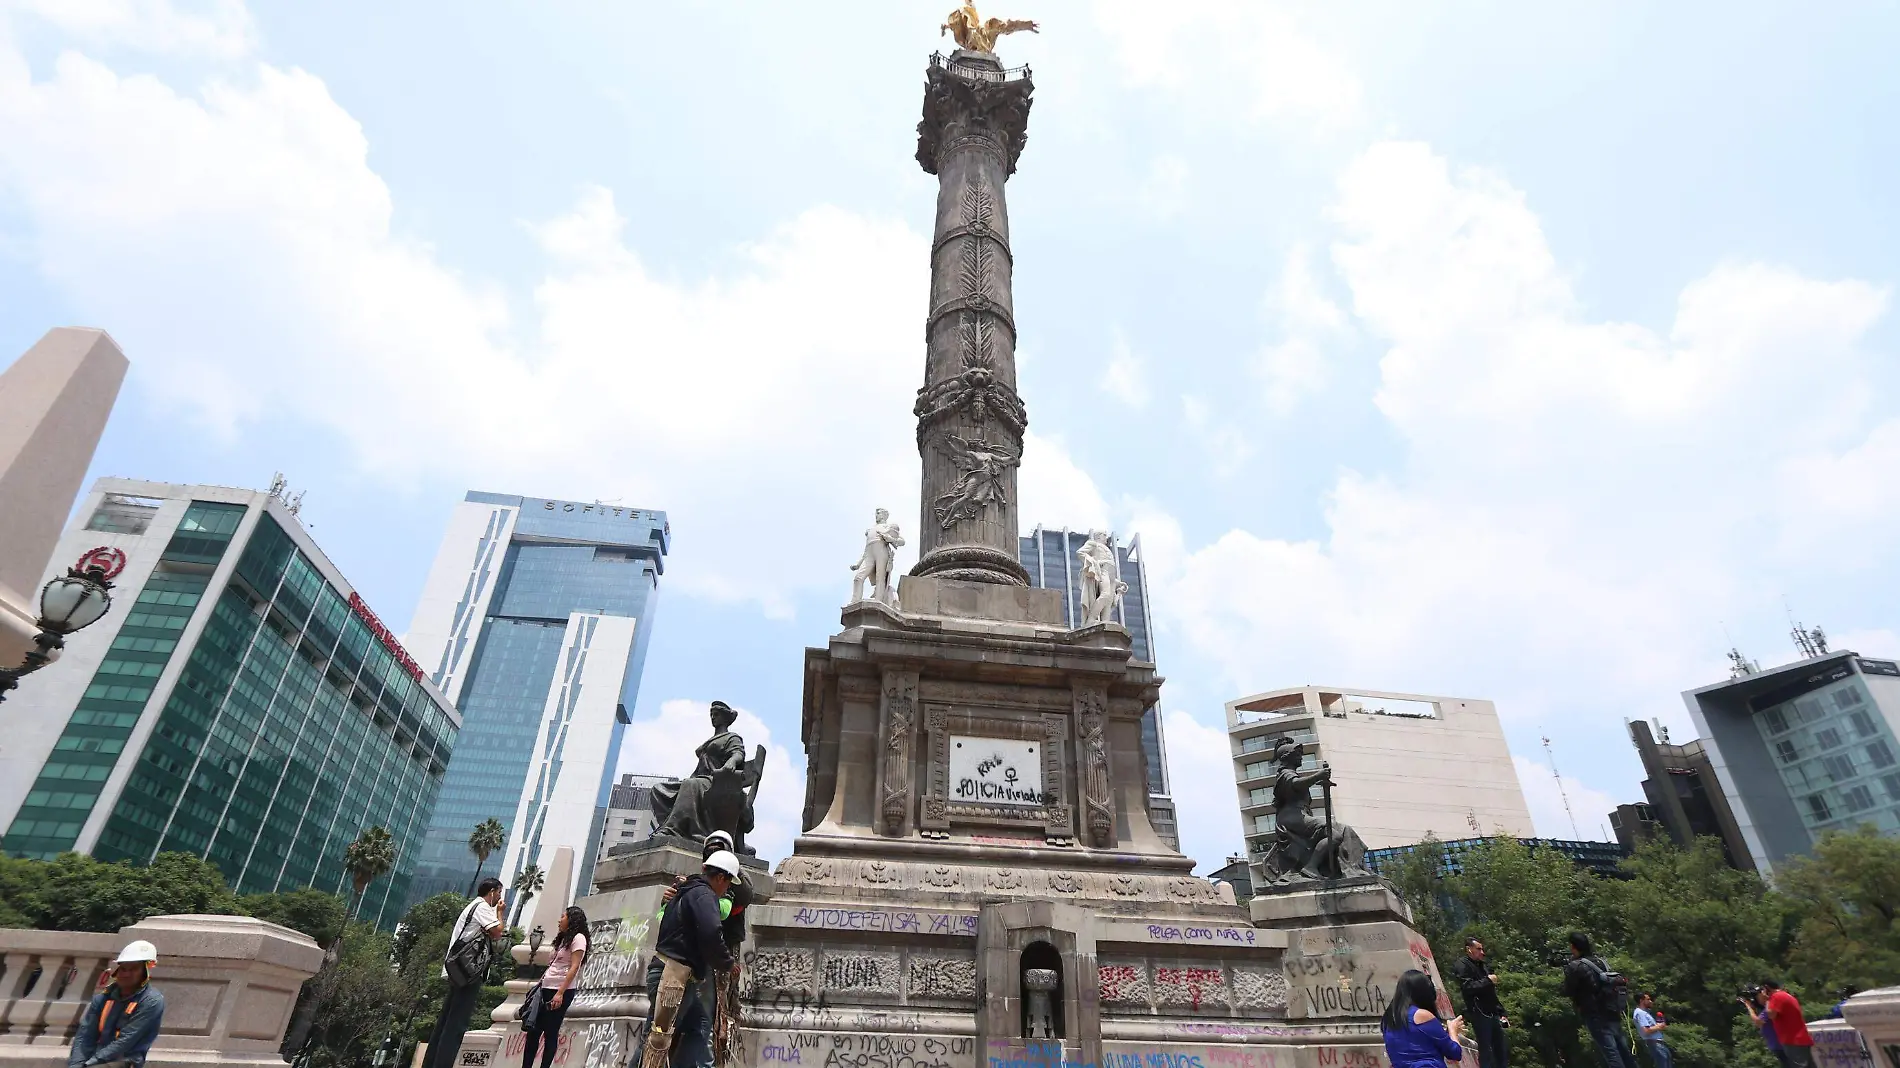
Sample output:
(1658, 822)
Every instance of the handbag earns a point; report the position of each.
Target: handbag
(469, 956)
(530, 1011)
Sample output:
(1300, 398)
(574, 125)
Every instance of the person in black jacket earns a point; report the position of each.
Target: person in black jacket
(691, 944)
(1587, 983)
(695, 1049)
(1482, 1006)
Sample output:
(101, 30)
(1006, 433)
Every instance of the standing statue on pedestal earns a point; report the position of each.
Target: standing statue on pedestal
(978, 34)
(881, 542)
(1101, 579)
(719, 795)
(1304, 847)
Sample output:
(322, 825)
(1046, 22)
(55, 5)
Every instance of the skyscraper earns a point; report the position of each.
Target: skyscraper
(1049, 557)
(239, 701)
(534, 621)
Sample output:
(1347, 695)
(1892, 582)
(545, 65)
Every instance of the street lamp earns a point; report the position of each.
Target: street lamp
(68, 603)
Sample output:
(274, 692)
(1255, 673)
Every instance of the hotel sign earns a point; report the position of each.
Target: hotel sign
(389, 640)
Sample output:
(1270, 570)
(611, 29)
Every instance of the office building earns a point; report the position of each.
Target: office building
(238, 702)
(629, 812)
(1684, 800)
(1238, 874)
(1405, 765)
(1049, 557)
(534, 620)
(1803, 749)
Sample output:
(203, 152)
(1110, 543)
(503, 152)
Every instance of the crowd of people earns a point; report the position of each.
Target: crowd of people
(1417, 1037)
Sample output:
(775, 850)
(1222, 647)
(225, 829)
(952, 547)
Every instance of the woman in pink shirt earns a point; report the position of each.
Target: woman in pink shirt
(555, 987)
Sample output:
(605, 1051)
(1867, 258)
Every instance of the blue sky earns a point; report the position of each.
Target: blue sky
(1478, 349)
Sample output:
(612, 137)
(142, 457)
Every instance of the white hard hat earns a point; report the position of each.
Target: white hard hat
(139, 952)
(722, 836)
(724, 861)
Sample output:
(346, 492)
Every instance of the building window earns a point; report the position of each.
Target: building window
(1863, 724)
(1808, 709)
(1891, 783)
(1880, 755)
(1817, 807)
(1256, 744)
(1839, 767)
(1858, 798)
(1777, 723)
(1259, 769)
(1786, 748)
(1847, 697)
(1827, 738)
(1264, 824)
(1260, 795)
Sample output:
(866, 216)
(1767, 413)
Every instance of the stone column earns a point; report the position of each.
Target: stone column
(54, 401)
(970, 420)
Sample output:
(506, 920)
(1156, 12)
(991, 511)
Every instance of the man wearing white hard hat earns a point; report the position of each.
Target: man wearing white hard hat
(122, 1021)
(690, 946)
(693, 1047)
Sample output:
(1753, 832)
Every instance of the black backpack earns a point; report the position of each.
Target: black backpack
(1612, 989)
(469, 954)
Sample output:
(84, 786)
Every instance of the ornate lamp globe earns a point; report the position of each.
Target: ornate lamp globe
(74, 600)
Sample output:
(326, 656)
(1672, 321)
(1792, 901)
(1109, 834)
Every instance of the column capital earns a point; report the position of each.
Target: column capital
(972, 102)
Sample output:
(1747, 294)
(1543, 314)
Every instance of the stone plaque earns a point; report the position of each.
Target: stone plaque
(996, 771)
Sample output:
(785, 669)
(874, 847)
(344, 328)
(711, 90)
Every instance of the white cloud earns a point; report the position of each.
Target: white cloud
(1201, 776)
(1126, 379)
(1204, 49)
(667, 744)
(1582, 496)
(220, 29)
(1225, 444)
(1053, 491)
(1591, 807)
(240, 246)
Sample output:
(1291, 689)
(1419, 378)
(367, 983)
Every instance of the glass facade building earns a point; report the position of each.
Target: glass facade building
(1049, 557)
(534, 621)
(239, 703)
(1804, 748)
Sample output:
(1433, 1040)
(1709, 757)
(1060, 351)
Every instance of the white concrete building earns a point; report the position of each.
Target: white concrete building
(629, 812)
(1404, 765)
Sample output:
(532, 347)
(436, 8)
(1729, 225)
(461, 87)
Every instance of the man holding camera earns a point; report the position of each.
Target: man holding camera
(1791, 1028)
(1482, 1006)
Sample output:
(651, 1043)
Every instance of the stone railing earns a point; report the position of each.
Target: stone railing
(230, 983)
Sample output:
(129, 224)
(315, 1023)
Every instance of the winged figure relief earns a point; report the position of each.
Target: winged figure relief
(981, 466)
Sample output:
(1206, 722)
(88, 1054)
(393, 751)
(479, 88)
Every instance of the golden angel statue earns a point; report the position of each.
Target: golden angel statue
(978, 34)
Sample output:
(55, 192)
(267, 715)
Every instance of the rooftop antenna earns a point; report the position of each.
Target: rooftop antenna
(1662, 731)
(1561, 792)
(1471, 820)
(277, 483)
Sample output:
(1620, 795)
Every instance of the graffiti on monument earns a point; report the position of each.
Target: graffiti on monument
(835, 1050)
(898, 921)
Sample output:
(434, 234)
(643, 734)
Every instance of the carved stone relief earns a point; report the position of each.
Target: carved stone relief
(781, 969)
(939, 810)
(1091, 708)
(1259, 988)
(899, 716)
(1124, 982)
(1193, 987)
(941, 977)
(869, 973)
(811, 873)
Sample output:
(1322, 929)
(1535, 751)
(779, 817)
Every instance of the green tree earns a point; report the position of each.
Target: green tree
(1848, 896)
(366, 859)
(528, 882)
(1694, 931)
(314, 912)
(356, 1000)
(78, 893)
(487, 837)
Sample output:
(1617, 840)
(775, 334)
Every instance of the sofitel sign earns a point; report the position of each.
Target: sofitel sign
(389, 640)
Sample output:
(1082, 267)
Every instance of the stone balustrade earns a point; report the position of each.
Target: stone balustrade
(230, 985)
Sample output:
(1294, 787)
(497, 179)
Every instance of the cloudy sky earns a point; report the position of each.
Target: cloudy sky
(1480, 349)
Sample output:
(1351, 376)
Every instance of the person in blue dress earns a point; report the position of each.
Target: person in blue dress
(1414, 1035)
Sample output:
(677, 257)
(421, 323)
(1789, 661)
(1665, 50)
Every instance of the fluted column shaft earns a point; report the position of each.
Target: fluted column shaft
(970, 420)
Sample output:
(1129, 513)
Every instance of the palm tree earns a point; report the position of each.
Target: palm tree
(527, 884)
(372, 854)
(487, 838)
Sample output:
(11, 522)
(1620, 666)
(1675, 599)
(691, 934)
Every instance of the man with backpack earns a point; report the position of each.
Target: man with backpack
(466, 966)
(1598, 993)
(690, 945)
